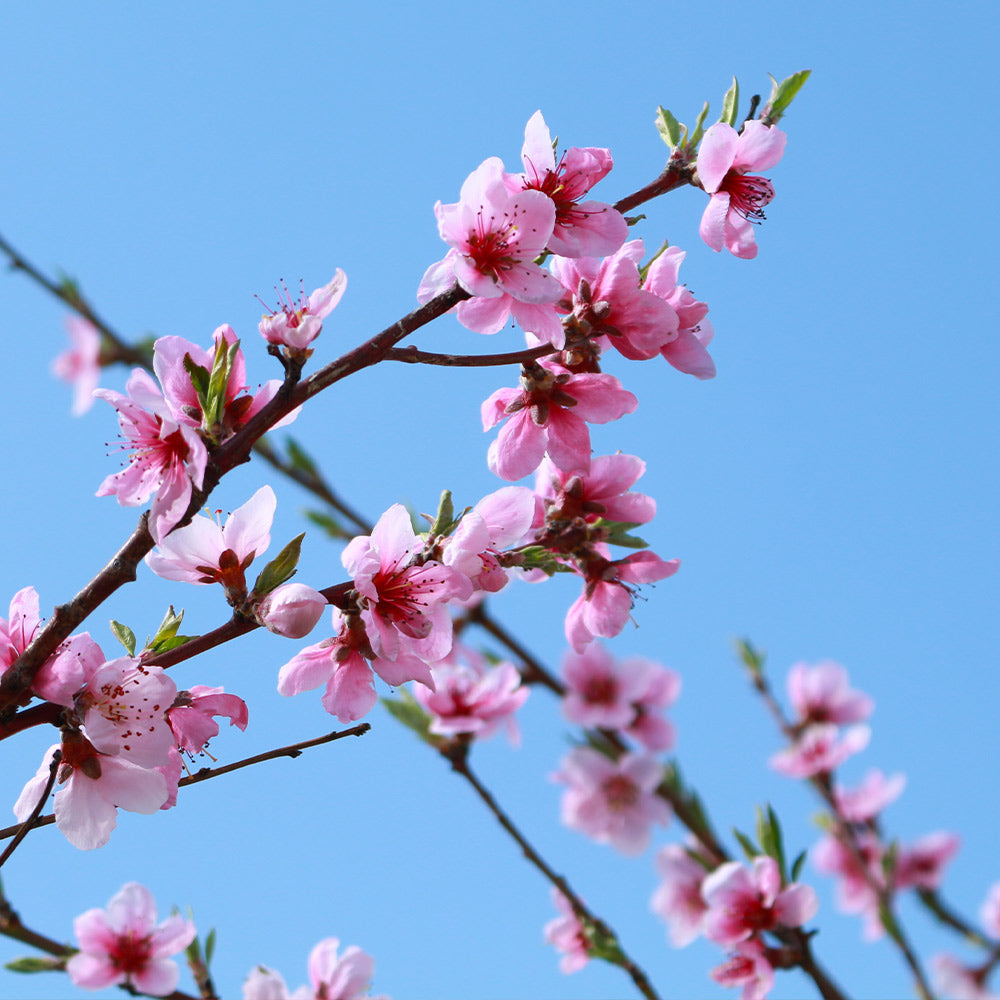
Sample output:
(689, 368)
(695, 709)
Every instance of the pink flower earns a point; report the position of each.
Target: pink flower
(204, 552)
(291, 610)
(822, 693)
(609, 305)
(582, 229)
(748, 967)
(858, 805)
(956, 981)
(167, 458)
(566, 934)
(473, 698)
(688, 350)
(743, 903)
(922, 863)
(599, 493)
(94, 786)
(405, 600)
(191, 716)
(549, 413)
(989, 912)
(855, 892)
(80, 365)
(495, 236)
(337, 978)
(678, 900)
(265, 984)
(297, 326)
(604, 606)
(123, 945)
(613, 802)
(820, 750)
(737, 197)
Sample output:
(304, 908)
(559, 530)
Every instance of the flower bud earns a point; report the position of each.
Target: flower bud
(291, 610)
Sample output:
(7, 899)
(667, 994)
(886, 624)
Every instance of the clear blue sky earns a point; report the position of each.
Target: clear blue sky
(832, 494)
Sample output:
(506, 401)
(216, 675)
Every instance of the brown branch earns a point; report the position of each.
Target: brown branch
(36, 812)
(414, 356)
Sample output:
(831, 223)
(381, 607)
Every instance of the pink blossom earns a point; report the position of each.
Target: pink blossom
(566, 934)
(599, 493)
(405, 600)
(606, 602)
(678, 900)
(989, 912)
(333, 977)
(495, 235)
(743, 903)
(124, 945)
(820, 749)
(93, 785)
(297, 326)
(876, 791)
(80, 365)
(956, 981)
(748, 967)
(168, 457)
(822, 693)
(613, 802)
(609, 305)
(291, 610)
(582, 229)
(124, 710)
(265, 984)
(191, 716)
(921, 865)
(855, 892)
(473, 697)
(204, 552)
(549, 413)
(738, 197)
(688, 350)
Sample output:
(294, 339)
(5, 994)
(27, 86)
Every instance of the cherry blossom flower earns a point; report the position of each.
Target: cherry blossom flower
(333, 977)
(124, 946)
(609, 305)
(94, 786)
(921, 865)
(599, 493)
(124, 711)
(582, 229)
(876, 791)
(688, 350)
(291, 610)
(822, 693)
(549, 413)
(495, 235)
(191, 716)
(820, 749)
(748, 967)
(405, 600)
(80, 365)
(989, 912)
(203, 552)
(678, 900)
(566, 934)
(738, 197)
(168, 457)
(265, 984)
(956, 981)
(473, 697)
(855, 892)
(604, 606)
(296, 326)
(743, 903)
(612, 802)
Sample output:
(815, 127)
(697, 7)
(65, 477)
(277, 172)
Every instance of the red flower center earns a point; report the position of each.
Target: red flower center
(130, 953)
(747, 194)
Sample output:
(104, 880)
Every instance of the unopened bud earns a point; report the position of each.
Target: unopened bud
(291, 610)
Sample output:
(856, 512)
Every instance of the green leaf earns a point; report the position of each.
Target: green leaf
(407, 710)
(328, 523)
(36, 964)
(731, 104)
(299, 458)
(281, 568)
(170, 624)
(644, 268)
(797, 867)
(750, 849)
(782, 95)
(699, 127)
(222, 366)
(670, 128)
(444, 520)
(165, 645)
(199, 380)
(538, 557)
(124, 635)
(769, 835)
(209, 947)
(618, 533)
(753, 659)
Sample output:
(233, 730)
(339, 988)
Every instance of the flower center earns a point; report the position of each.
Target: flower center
(490, 245)
(600, 690)
(131, 953)
(620, 793)
(747, 194)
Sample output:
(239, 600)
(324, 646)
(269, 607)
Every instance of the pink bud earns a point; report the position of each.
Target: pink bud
(291, 610)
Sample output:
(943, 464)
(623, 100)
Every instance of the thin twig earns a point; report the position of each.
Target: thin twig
(36, 812)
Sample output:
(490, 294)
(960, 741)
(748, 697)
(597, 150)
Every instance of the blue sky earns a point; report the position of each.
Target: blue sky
(832, 493)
